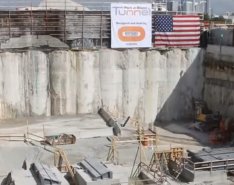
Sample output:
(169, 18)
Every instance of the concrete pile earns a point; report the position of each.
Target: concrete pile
(140, 84)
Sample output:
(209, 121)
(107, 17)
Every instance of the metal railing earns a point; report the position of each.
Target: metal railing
(225, 164)
(86, 25)
(64, 25)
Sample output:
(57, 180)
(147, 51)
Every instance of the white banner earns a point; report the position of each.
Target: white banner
(131, 25)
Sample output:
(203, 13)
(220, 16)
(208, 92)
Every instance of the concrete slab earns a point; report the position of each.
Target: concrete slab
(20, 177)
(91, 142)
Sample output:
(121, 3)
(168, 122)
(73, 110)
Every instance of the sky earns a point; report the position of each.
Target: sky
(221, 6)
(218, 6)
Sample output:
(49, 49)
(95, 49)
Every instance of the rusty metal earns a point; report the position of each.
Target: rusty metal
(61, 139)
(173, 154)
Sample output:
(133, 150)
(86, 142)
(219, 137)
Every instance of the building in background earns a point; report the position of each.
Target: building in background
(229, 17)
(197, 6)
(159, 6)
(173, 6)
(209, 10)
(202, 7)
(188, 7)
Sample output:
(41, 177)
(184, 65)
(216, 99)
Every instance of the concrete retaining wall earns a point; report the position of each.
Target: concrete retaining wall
(142, 84)
(219, 79)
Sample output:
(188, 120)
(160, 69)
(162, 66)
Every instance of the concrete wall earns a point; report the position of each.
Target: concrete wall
(219, 79)
(141, 84)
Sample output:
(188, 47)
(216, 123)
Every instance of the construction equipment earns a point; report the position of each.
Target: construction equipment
(126, 121)
(206, 119)
(110, 122)
(223, 133)
(221, 129)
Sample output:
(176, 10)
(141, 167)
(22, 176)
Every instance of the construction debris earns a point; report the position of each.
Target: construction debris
(205, 119)
(60, 139)
(219, 128)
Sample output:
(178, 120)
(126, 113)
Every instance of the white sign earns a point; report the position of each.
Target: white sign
(131, 25)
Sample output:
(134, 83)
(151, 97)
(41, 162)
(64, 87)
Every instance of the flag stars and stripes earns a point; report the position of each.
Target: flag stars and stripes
(164, 23)
(177, 30)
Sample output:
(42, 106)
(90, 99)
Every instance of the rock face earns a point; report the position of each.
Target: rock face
(140, 84)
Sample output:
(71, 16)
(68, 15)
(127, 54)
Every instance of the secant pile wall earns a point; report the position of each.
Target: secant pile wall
(219, 79)
(142, 84)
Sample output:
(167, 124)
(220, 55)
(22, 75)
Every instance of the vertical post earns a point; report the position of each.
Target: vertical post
(166, 7)
(27, 131)
(232, 36)
(65, 12)
(44, 135)
(181, 7)
(82, 29)
(31, 16)
(220, 46)
(114, 151)
(55, 161)
(43, 131)
(101, 31)
(46, 18)
(140, 145)
(194, 6)
(9, 24)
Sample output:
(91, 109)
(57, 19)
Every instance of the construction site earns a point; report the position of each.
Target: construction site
(76, 110)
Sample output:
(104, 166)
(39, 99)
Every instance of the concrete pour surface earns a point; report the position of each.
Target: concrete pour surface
(91, 133)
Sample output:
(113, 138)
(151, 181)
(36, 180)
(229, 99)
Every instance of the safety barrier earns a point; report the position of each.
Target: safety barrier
(227, 164)
(81, 26)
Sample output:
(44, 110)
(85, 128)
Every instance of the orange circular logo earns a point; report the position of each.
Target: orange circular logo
(131, 33)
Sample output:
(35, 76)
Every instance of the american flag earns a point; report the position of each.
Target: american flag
(177, 31)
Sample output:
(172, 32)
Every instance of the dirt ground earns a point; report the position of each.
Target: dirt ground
(91, 133)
